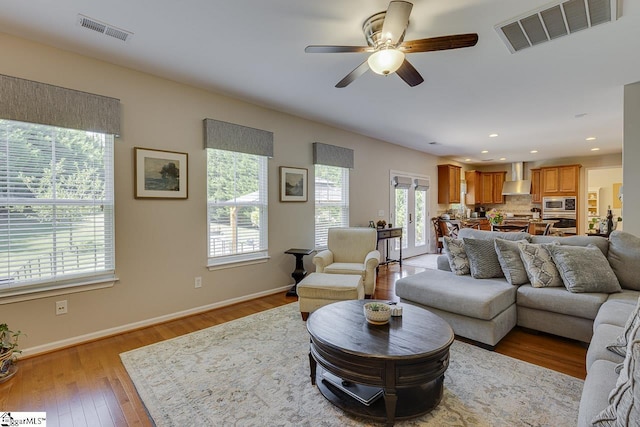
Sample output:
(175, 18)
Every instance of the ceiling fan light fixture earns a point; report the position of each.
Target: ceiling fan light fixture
(386, 61)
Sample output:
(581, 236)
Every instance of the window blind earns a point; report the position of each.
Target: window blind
(56, 207)
(237, 206)
(331, 201)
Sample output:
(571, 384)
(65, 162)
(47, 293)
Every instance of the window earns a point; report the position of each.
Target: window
(332, 200)
(56, 207)
(236, 206)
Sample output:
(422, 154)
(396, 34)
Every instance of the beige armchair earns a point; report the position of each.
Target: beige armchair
(351, 251)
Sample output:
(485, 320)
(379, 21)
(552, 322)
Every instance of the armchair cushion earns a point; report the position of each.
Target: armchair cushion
(345, 268)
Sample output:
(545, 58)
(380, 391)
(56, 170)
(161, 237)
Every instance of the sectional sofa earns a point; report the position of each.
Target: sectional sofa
(593, 302)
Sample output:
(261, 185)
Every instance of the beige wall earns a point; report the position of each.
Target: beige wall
(161, 245)
(631, 152)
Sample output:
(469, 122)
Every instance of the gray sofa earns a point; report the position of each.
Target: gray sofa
(485, 310)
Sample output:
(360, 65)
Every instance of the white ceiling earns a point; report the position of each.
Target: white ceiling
(254, 50)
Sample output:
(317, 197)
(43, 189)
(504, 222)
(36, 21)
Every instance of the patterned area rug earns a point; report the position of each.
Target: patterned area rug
(254, 371)
(425, 261)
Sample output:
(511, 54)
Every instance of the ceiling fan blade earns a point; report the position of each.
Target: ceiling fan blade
(396, 21)
(409, 74)
(337, 49)
(360, 70)
(439, 43)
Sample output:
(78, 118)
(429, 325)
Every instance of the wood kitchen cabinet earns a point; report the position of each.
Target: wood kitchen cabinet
(449, 184)
(484, 187)
(560, 180)
(474, 185)
(536, 193)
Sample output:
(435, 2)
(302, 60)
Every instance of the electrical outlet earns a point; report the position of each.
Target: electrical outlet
(61, 307)
(198, 282)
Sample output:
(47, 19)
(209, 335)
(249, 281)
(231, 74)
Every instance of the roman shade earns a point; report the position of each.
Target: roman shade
(241, 139)
(401, 182)
(34, 102)
(332, 155)
(421, 184)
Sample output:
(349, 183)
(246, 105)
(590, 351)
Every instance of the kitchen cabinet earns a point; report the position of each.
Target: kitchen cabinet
(472, 179)
(560, 180)
(536, 193)
(449, 184)
(484, 187)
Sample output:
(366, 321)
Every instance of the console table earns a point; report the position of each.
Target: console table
(299, 273)
(390, 233)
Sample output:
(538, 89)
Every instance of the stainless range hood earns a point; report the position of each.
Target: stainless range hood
(517, 185)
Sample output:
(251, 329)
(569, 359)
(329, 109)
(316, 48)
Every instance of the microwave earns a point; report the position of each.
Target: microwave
(559, 204)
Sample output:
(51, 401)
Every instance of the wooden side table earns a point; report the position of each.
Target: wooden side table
(299, 273)
(386, 234)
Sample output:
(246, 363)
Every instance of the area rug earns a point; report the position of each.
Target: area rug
(424, 261)
(254, 371)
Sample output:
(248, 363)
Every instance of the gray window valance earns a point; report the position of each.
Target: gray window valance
(241, 139)
(332, 155)
(33, 102)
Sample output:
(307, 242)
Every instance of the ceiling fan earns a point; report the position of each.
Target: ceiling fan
(385, 32)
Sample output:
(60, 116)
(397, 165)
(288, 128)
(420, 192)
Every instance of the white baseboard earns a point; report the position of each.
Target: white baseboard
(57, 345)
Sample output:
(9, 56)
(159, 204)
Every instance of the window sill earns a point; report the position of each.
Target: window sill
(19, 295)
(222, 265)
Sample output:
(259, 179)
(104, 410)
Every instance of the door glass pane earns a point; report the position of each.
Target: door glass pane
(420, 220)
(401, 215)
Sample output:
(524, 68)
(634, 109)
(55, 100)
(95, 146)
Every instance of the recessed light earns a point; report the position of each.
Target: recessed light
(503, 158)
(595, 149)
(591, 138)
(493, 135)
(533, 151)
(484, 151)
(467, 160)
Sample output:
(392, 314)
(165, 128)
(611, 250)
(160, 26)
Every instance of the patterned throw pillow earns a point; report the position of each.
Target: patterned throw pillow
(584, 269)
(457, 256)
(623, 409)
(510, 261)
(483, 260)
(541, 270)
(620, 345)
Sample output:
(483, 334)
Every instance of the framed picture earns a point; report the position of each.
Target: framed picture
(160, 174)
(293, 184)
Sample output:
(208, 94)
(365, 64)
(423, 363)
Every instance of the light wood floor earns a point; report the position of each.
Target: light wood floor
(86, 385)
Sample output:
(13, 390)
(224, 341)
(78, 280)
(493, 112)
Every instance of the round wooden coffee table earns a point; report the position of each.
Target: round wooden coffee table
(406, 358)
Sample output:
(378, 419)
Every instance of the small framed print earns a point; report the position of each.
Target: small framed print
(293, 184)
(160, 174)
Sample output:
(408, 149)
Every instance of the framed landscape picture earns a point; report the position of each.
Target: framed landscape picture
(293, 184)
(160, 174)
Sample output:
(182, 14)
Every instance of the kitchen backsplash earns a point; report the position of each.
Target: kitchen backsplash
(517, 205)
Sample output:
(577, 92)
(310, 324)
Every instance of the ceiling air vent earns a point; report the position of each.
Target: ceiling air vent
(106, 29)
(555, 20)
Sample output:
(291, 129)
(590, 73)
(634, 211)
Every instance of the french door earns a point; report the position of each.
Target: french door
(410, 210)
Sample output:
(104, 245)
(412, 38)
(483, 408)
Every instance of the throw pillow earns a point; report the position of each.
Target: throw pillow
(584, 269)
(620, 344)
(541, 270)
(457, 256)
(483, 260)
(624, 258)
(623, 410)
(510, 261)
